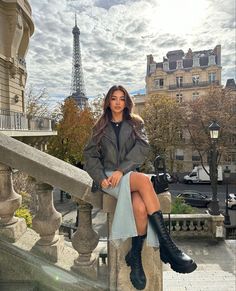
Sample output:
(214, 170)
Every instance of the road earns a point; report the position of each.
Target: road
(206, 189)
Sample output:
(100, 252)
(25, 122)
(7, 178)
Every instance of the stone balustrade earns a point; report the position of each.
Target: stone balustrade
(200, 225)
(48, 171)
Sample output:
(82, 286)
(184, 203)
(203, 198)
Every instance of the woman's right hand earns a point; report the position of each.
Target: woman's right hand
(105, 184)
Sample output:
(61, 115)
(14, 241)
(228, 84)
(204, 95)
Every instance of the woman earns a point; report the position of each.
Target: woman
(117, 148)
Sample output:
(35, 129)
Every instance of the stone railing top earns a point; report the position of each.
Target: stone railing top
(195, 216)
(47, 169)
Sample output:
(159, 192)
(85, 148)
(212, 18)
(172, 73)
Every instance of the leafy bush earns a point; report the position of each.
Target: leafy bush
(24, 212)
(25, 199)
(179, 207)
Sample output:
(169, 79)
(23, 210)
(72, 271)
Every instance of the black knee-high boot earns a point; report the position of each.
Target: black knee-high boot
(169, 253)
(134, 260)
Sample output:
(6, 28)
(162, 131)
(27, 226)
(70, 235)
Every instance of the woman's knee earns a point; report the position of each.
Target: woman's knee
(140, 179)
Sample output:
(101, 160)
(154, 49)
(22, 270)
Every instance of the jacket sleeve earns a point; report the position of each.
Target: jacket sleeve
(93, 165)
(138, 153)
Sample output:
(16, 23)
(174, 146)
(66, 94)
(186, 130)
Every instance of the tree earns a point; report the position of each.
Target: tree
(37, 104)
(73, 132)
(217, 105)
(164, 127)
(97, 105)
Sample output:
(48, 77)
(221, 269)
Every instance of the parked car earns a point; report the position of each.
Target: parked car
(194, 198)
(232, 201)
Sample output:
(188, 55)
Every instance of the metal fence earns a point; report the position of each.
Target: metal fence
(10, 120)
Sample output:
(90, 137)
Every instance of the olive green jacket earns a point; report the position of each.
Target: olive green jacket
(132, 151)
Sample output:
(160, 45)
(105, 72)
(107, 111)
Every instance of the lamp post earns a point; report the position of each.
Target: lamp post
(214, 134)
(226, 177)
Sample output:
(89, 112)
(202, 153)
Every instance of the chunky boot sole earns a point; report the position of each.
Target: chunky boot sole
(128, 260)
(184, 269)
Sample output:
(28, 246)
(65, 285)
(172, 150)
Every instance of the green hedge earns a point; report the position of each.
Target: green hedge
(179, 207)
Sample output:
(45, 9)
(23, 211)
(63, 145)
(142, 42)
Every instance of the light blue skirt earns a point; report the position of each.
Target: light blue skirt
(123, 225)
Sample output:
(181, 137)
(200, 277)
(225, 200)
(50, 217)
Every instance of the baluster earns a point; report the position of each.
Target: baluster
(11, 227)
(205, 225)
(171, 225)
(199, 227)
(46, 223)
(191, 226)
(185, 227)
(84, 241)
(177, 227)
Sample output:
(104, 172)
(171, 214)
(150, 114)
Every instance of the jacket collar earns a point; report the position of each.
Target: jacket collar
(125, 132)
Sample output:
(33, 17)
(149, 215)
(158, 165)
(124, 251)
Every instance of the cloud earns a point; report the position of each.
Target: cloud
(116, 36)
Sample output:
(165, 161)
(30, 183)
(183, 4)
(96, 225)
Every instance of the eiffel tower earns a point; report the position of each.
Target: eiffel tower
(77, 82)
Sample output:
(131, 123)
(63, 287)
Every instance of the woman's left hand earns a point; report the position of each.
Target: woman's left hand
(114, 179)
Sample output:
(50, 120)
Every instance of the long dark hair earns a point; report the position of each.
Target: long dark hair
(106, 116)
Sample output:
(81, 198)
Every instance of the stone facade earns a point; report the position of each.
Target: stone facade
(184, 76)
(16, 27)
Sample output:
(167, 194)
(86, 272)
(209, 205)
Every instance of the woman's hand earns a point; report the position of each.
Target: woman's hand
(114, 179)
(105, 183)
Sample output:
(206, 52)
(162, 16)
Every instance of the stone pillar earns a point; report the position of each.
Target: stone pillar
(46, 223)
(217, 226)
(117, 269)
(84, 241)
(11, 227)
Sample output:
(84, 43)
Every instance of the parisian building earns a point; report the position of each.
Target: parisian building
(184, 77)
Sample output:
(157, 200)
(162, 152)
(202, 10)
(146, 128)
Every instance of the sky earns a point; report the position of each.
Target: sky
(117, 35)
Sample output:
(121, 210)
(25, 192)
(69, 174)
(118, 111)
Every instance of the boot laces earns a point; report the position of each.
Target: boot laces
(168, 240)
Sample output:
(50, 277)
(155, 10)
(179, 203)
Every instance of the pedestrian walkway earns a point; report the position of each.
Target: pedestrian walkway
(216, 260)
(216, 267)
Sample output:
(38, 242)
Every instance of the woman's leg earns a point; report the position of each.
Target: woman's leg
(169, 252)
(141, 183)
(140, 213)
(134, 258)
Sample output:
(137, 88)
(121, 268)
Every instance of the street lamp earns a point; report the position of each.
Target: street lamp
(214, 134)
(226, 178)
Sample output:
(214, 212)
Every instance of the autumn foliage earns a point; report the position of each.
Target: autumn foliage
(217, 105)
(164, 126)
(73, 132)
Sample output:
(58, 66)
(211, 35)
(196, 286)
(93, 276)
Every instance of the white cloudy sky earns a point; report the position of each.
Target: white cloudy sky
(116, 36)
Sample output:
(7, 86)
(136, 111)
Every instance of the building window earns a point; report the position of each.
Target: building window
(159, 83)
(179, 155)
(152, 68)
(179, 64)
(212, 60)
(179, 82)
(232, 140)
(195, 158)
(196, 62)
(195, 79)
(180, 134)
(195, 95)
(166, 66)
(230, 157)
(179, 98)
(212, 77)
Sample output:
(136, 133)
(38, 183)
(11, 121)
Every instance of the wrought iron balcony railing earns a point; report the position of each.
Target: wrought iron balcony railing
(192, 85)
(10, 120)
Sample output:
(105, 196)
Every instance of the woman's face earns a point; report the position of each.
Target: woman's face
(117, 102)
